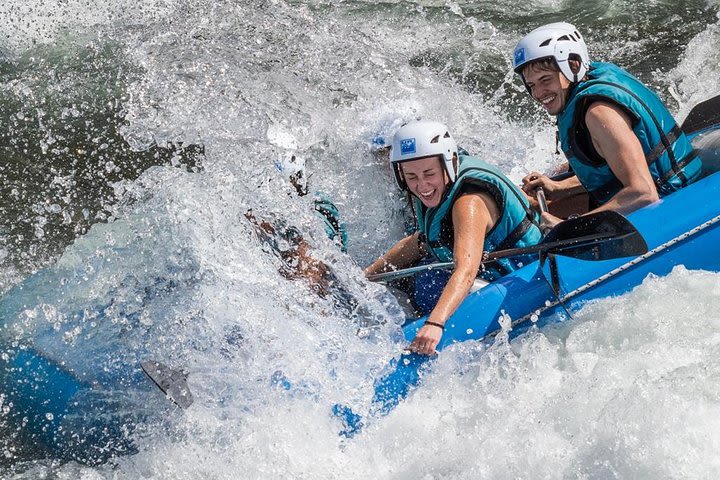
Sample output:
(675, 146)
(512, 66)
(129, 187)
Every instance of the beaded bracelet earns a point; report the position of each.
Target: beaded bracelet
(435, 324)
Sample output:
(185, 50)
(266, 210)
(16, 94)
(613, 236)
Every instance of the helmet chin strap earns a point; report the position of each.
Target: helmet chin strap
(454, 163)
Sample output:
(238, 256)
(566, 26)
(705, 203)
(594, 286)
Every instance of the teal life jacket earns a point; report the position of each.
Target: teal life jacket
(517, 225)
(330, 215)
(670, 157)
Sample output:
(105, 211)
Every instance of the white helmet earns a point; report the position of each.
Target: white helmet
(560, 41)
(420, 139)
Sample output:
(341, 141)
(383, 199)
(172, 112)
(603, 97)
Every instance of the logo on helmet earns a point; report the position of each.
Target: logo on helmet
(519, 56)
(407, 146)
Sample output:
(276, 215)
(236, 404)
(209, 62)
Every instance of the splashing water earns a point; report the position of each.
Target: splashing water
(99, 107)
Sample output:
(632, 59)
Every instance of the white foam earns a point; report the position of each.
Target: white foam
(627, 390)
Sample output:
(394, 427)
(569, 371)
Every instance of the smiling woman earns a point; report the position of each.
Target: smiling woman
(176, 272)
(463, 207)
(426, 179)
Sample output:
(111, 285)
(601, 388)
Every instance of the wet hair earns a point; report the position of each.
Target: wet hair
(547, 64)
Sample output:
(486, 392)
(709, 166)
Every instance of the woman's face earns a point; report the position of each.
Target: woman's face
(426, 179)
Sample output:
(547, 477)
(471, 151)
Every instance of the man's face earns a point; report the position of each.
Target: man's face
(547, 87)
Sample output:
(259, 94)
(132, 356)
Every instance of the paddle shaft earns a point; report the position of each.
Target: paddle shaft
(489, 257)
(542, 202)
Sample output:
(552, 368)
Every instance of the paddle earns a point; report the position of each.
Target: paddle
(542, 202)
(596, 236)
(173, 383)
(702, 115)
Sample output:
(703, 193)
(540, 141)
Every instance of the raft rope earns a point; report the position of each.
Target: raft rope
(614, 272)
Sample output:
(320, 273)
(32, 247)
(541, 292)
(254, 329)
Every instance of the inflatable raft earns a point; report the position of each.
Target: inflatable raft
(90, 415)
(680, 229)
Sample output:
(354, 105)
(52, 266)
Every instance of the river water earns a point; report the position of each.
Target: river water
(134, 138)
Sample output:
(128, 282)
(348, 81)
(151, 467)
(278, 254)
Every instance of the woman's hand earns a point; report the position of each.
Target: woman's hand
(426, 340)
(404, 253)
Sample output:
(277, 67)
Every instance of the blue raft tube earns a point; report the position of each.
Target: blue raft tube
(91, 416)
(548, 292)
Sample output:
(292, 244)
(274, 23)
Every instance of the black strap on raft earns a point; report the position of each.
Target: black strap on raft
(554, 274)
(554, 281)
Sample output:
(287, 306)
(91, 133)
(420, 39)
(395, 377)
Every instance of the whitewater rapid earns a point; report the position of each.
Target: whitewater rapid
(172, 268)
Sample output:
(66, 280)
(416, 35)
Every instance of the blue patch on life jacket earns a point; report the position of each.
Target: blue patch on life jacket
(407, 145)
(519, 56)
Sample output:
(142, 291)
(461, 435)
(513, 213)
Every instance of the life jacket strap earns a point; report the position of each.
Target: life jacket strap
(660, 182)
(676, 168)
(661, 147)
(516, 235)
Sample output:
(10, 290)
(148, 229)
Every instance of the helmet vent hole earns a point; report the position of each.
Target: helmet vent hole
(435, 139)
(564, 37)
(545, 43)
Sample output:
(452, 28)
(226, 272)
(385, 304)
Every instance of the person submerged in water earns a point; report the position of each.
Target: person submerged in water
(463, 207)
(621, 142)
(286, 240)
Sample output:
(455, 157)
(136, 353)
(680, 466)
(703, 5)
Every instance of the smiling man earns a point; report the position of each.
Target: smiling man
(620, 140)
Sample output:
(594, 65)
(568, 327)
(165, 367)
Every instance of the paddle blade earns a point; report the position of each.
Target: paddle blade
(598, 236)
(703, 115)
(173, 383)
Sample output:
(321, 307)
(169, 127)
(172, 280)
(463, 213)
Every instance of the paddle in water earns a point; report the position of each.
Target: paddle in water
(173, 383)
